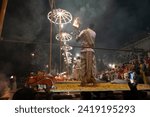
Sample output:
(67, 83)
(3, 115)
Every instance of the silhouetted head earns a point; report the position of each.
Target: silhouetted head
(24, 94)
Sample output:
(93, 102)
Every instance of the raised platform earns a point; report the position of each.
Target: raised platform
(75, 87)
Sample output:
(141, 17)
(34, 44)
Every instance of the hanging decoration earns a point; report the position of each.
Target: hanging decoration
(64, 37)
(59, 16)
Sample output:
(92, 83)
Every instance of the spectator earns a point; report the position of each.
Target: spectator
(24, 94)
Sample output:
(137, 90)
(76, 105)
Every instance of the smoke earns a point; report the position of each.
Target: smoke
(40, 58)
(105, 14)
(25, 20)
(87, 10)
(122, 21)
(116, 22)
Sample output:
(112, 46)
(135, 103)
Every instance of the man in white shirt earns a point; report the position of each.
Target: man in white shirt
(88, 61)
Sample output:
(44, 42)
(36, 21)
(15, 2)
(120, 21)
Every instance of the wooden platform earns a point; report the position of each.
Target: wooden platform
(75, 87)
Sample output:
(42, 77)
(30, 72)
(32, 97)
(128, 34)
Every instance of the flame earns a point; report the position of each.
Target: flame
(76, 22)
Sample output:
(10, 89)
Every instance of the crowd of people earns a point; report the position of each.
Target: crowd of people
(137, 70)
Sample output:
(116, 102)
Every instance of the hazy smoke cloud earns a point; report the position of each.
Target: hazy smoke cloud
(116, 22)
(25, 20)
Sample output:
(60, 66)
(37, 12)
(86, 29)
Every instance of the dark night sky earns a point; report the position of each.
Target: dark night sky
(116, 21)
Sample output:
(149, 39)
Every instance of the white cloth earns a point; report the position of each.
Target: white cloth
(92, 33)
(84, 41)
